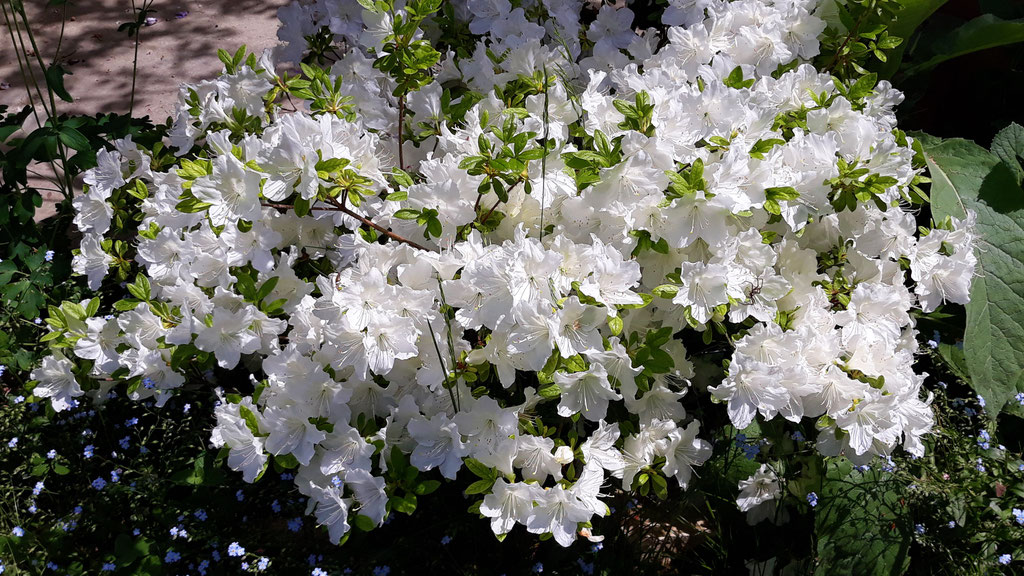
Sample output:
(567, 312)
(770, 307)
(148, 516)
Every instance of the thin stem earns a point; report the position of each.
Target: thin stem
(444, 370)
(401, 120)
(39, 58)
(135, 58)
(544, 159)
(377, 227)
(22, 64)
(60, 39)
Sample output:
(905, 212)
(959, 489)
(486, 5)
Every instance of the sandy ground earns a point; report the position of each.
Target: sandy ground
(177, 48)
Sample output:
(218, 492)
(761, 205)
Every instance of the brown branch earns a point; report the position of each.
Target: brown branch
(375, 226)
(489, 212)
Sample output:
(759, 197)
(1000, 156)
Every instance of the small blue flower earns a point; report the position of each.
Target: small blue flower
(812, 499)
(115, 475)
(262, 563)
(51, 454)
(99, 483)
(318, 572)
(381, 570)
(125, 442)
(597, 547)
(38, 488)
(1019, 397)
(295, 524)
(919, 528)
(19, 399)
(88, 451)
(275, 506)
(981, 400)
(109, 567)
(979, 466)
(172, 557)
(1005, 559)
(18, 532)
(48, 256)
(798, 436)
(239, 496)
(538, 568)
(3, 369)
(951, 524)
(200, 515)
(13, 442)
(1018, 516)
(445, 540)
(203, 566)
(235, 550)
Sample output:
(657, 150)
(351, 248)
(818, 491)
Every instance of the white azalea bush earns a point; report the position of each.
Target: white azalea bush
(522, 255)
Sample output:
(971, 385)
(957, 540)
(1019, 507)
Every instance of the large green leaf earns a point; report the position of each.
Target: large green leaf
(908, 19)
(966, 176)
(1008, 144)
(861, 523)
(986, 31)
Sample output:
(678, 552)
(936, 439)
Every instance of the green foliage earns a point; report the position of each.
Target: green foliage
(985, 31)
(862, 525)
(1008, 145)
(858, 36)
(966, 176)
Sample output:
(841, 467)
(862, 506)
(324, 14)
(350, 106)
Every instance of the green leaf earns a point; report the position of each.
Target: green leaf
(550, 390)
(480, 486)
(266, 288)
(781, 193)
(250, 420)
(954, 358)
(966, 176)
(985, 31)
(735, 79)
(55, 82)
(426, 487)
(126, 304)
(1008, 145)
(666, 291)
(363, 523)
(407, 214)
(301, 207)
(908, 19)
(861, 524)
(478, 468)
(73, 139)
(406, 505)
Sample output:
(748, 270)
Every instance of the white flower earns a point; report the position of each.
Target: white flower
(56, 382)
(586, 393)
(229, 337)
(684, 452)
(559, 512)
(508, 504)
(758, 494)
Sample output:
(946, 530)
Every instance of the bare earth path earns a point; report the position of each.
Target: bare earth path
(178, 48)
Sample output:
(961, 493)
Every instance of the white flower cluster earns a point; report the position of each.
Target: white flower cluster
(670, 188)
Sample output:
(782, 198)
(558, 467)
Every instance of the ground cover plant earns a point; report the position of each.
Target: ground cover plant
(550, 287)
